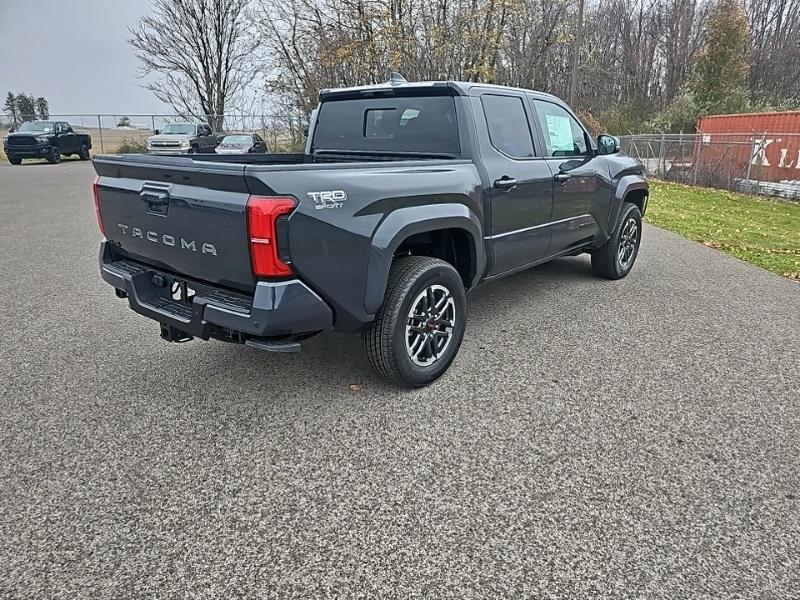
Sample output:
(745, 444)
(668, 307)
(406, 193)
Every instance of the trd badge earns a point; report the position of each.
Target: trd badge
(328, 199)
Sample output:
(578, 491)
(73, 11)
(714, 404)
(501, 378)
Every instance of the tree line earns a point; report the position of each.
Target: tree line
(24, 107)
(643, 65)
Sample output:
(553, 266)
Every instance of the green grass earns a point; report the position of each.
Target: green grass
(754, 229)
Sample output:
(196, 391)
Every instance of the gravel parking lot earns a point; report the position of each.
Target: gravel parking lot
(638, 438)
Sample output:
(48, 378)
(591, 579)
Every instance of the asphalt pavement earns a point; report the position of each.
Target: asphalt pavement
(638, 438)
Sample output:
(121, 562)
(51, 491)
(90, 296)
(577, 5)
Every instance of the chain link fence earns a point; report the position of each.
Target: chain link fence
(755, 163)
(128, 132)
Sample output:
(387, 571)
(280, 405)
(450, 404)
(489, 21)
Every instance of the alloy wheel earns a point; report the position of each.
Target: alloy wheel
(429, 326)
(628, 242)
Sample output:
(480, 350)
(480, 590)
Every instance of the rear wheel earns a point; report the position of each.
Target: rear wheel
(14, 160)
(84, 152)
(419, 328)
(54, 157)
(614, 260)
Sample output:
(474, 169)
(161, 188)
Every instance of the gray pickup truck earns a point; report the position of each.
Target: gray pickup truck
(407, 196)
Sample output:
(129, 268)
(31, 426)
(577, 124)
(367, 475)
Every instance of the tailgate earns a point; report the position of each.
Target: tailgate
(178, 215)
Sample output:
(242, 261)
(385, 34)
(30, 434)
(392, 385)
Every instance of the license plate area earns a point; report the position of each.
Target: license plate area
(180, 291)
(172, 289)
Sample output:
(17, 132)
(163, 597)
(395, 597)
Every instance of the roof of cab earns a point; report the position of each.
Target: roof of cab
(450, 88)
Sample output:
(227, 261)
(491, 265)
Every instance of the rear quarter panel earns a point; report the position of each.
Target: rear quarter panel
(345, 252)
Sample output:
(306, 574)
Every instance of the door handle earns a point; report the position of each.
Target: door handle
(154, 196)
(561, 178)
(505, 183)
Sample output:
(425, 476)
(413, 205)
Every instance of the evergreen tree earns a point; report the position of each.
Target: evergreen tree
(26, 107)
(42, 108)
(10, 107)
(720, 82)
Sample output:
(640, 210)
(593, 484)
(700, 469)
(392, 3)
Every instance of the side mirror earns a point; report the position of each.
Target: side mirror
(10, 130)
(607, 144)
(156, 132)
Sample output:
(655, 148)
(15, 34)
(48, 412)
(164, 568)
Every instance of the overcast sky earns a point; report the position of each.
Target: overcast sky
(75, 53)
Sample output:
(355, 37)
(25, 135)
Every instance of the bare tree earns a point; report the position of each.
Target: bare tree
(201, 52)
(636, 61)
(774, 31)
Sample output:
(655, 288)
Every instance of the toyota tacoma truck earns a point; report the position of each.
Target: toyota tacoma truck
(407, 196)
(46, 139)
(182, 138)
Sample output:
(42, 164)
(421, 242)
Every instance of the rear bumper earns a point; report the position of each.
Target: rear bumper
(276, 309)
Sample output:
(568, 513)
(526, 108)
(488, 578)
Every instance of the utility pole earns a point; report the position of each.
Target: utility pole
(573, 84)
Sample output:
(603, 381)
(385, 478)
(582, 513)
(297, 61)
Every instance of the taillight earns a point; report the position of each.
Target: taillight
(263, 213)
(96, 194)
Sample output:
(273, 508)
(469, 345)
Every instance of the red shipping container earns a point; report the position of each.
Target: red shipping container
(765, 146)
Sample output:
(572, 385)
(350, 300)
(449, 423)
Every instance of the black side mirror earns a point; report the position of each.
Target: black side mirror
(156, 132)
(607, 144)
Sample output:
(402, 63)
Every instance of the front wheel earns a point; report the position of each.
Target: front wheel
(54, 157)
(84, 152)
(14, 160)
(614, 260)
(419, 328)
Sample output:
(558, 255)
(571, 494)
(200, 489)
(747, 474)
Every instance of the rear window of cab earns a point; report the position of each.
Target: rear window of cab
(424, 124)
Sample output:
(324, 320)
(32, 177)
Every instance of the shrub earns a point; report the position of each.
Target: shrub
(130, 145)
(678, 116)
(590, 122)
(625, 118)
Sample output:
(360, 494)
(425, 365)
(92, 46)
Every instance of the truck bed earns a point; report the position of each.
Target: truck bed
(187, 215)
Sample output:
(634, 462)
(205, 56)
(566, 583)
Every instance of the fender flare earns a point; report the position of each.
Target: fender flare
(625, 185)
(405, 222)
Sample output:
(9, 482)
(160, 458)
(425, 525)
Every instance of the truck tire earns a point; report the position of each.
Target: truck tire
(84, 152)
(615, 258)
(14, 160)
(54, 157)
(419, 327)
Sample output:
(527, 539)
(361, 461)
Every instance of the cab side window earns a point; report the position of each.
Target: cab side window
(563, 135)
(508, 125)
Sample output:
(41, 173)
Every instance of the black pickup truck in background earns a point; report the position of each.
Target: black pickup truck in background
(46, 139)
(407, 196)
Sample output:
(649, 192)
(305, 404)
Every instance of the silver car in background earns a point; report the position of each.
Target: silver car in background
(242, 143)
